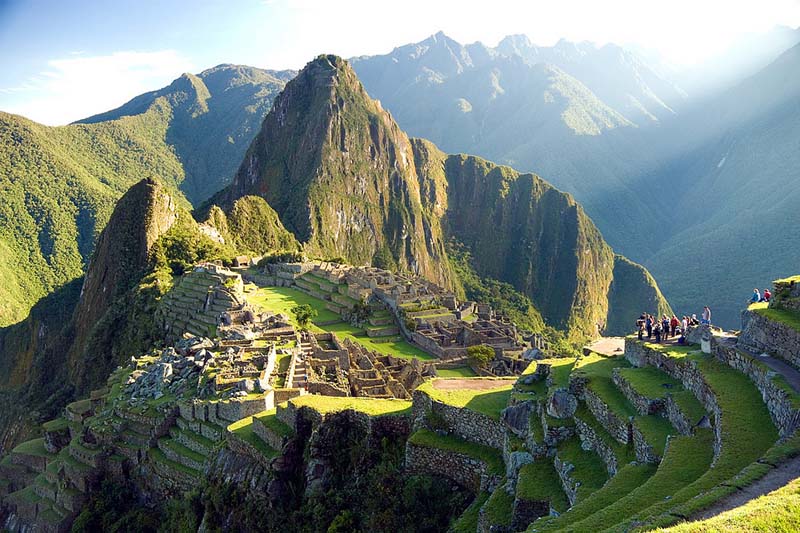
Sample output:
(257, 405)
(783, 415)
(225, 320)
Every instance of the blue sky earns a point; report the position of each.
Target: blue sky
(64, 60)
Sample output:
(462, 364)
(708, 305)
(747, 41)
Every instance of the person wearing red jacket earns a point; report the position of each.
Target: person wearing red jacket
(674, 323)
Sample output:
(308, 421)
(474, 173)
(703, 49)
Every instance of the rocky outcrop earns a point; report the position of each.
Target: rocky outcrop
(772, 336)
(342, 175)
(120, 259)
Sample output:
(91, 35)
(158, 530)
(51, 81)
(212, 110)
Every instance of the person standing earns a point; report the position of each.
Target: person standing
(674, 323)
(684, 324)
(657, 332)
(706, 315)
(665, 326)
(648, 325)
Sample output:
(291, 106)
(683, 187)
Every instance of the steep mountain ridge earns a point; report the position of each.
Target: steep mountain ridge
(347, 181)
(341, 175)
(213, 117)
(120, 260)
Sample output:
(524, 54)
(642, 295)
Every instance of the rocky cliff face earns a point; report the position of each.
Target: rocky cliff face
(120, 260)
(341, 175)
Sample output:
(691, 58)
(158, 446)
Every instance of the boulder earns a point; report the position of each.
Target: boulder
(516, 417)
(562, 404)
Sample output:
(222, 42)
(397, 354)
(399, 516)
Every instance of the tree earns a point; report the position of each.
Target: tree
(303, 314)
(480, 355)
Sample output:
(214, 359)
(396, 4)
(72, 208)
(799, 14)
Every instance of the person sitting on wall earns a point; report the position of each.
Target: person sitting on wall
(693, 321)
(765, 297)
(756, 297)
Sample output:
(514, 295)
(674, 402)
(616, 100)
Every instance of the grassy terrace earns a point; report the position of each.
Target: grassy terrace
(493, 458)
(626, 480)
(650, 382)
(689, 405)
(460, 372)
(244, 430)
(655, 430)
(486, 402)
(56, 424)
(158, 456)
(623, 452)
(589, 471)
(498, 507)
(778, 511)
(746, 428)
(33, 447)
(268, 419)
(783, 316)
(468, 521)
(282, 299)
(686, 460)
(538, 481)
(370, 406)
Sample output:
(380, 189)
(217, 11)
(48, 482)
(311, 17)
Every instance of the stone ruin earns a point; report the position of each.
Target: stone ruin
(170, 373)
(336, 368)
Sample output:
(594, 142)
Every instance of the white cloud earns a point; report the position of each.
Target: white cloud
(75, 87)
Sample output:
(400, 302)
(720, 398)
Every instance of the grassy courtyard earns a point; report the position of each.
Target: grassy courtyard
(282, 299)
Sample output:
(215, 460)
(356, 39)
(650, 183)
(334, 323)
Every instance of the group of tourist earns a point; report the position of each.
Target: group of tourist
(667, 327)
(758, 297)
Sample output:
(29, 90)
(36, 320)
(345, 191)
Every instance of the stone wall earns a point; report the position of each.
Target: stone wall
(463, 469)
(770, 336)
(465, 423)
(778, 399)
(645, 453)
(643, 405)
(591, 441)
(685, 371)
(618, 428)
(570, 485)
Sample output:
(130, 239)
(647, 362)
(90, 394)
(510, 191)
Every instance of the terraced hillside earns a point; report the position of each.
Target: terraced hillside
(660, 435)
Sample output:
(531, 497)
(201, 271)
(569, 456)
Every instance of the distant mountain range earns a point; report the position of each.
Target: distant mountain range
(671, 179)
(658, 170)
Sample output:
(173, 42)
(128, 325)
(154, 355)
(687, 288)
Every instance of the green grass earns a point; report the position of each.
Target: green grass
(655, 430)
(158, 456)
(56, 424)
(782, 316)
(468, 521)
(689, 405)
(776, 512)
(560, 369)
(370, 406)
(268, 419)
(627, 479)
(282, 299)
(392, 345)
(497, 510)
(589, 469)
(623, 452)
(605, 389)
(244, 430)
(33, 447)
(539, 481)
(746, 428)
(492, 457)
(486, 402)
(650, 382)
(460, 372)
(685, 461)
(180, 449)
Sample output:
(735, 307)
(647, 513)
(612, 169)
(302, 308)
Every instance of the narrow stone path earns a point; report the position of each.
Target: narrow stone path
(773, 480)
(780, 366)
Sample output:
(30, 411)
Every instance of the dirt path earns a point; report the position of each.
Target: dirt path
(775, 479)
(471, 384)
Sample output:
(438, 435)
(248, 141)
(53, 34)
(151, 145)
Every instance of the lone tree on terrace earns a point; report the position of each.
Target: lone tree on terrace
(303, 314)
(480, 355)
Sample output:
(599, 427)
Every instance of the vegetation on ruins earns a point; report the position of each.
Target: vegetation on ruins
(480, 355)
(303, 314)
